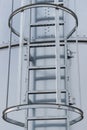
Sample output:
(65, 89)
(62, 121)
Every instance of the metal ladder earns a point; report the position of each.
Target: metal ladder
(57, 68)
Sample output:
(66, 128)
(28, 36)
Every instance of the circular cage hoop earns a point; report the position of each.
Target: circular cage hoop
(75, 110)
(38, 5)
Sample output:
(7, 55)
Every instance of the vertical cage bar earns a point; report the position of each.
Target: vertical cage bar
(20, 65)
(57, 55)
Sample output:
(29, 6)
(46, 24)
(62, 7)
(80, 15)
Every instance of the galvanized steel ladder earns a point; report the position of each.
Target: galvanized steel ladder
(57, 68)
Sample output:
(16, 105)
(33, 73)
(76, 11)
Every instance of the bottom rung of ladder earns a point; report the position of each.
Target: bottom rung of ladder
(47, 118)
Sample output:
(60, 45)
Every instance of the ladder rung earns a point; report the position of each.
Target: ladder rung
(49, 18)
(45, 100)
(48, 57)
(51, 100)
(45, 57)
(42, 45)
(48, 78)
(47, 118)
(45, 41)
(45, 92)
(40, 68)
(37, 44)
(44, 68)
(52, 125)
(52, 1)
(45, 24)
(41, 25)
(48, 100)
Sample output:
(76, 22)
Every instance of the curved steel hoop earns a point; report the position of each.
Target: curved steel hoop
(38, 5)
(50, 106)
